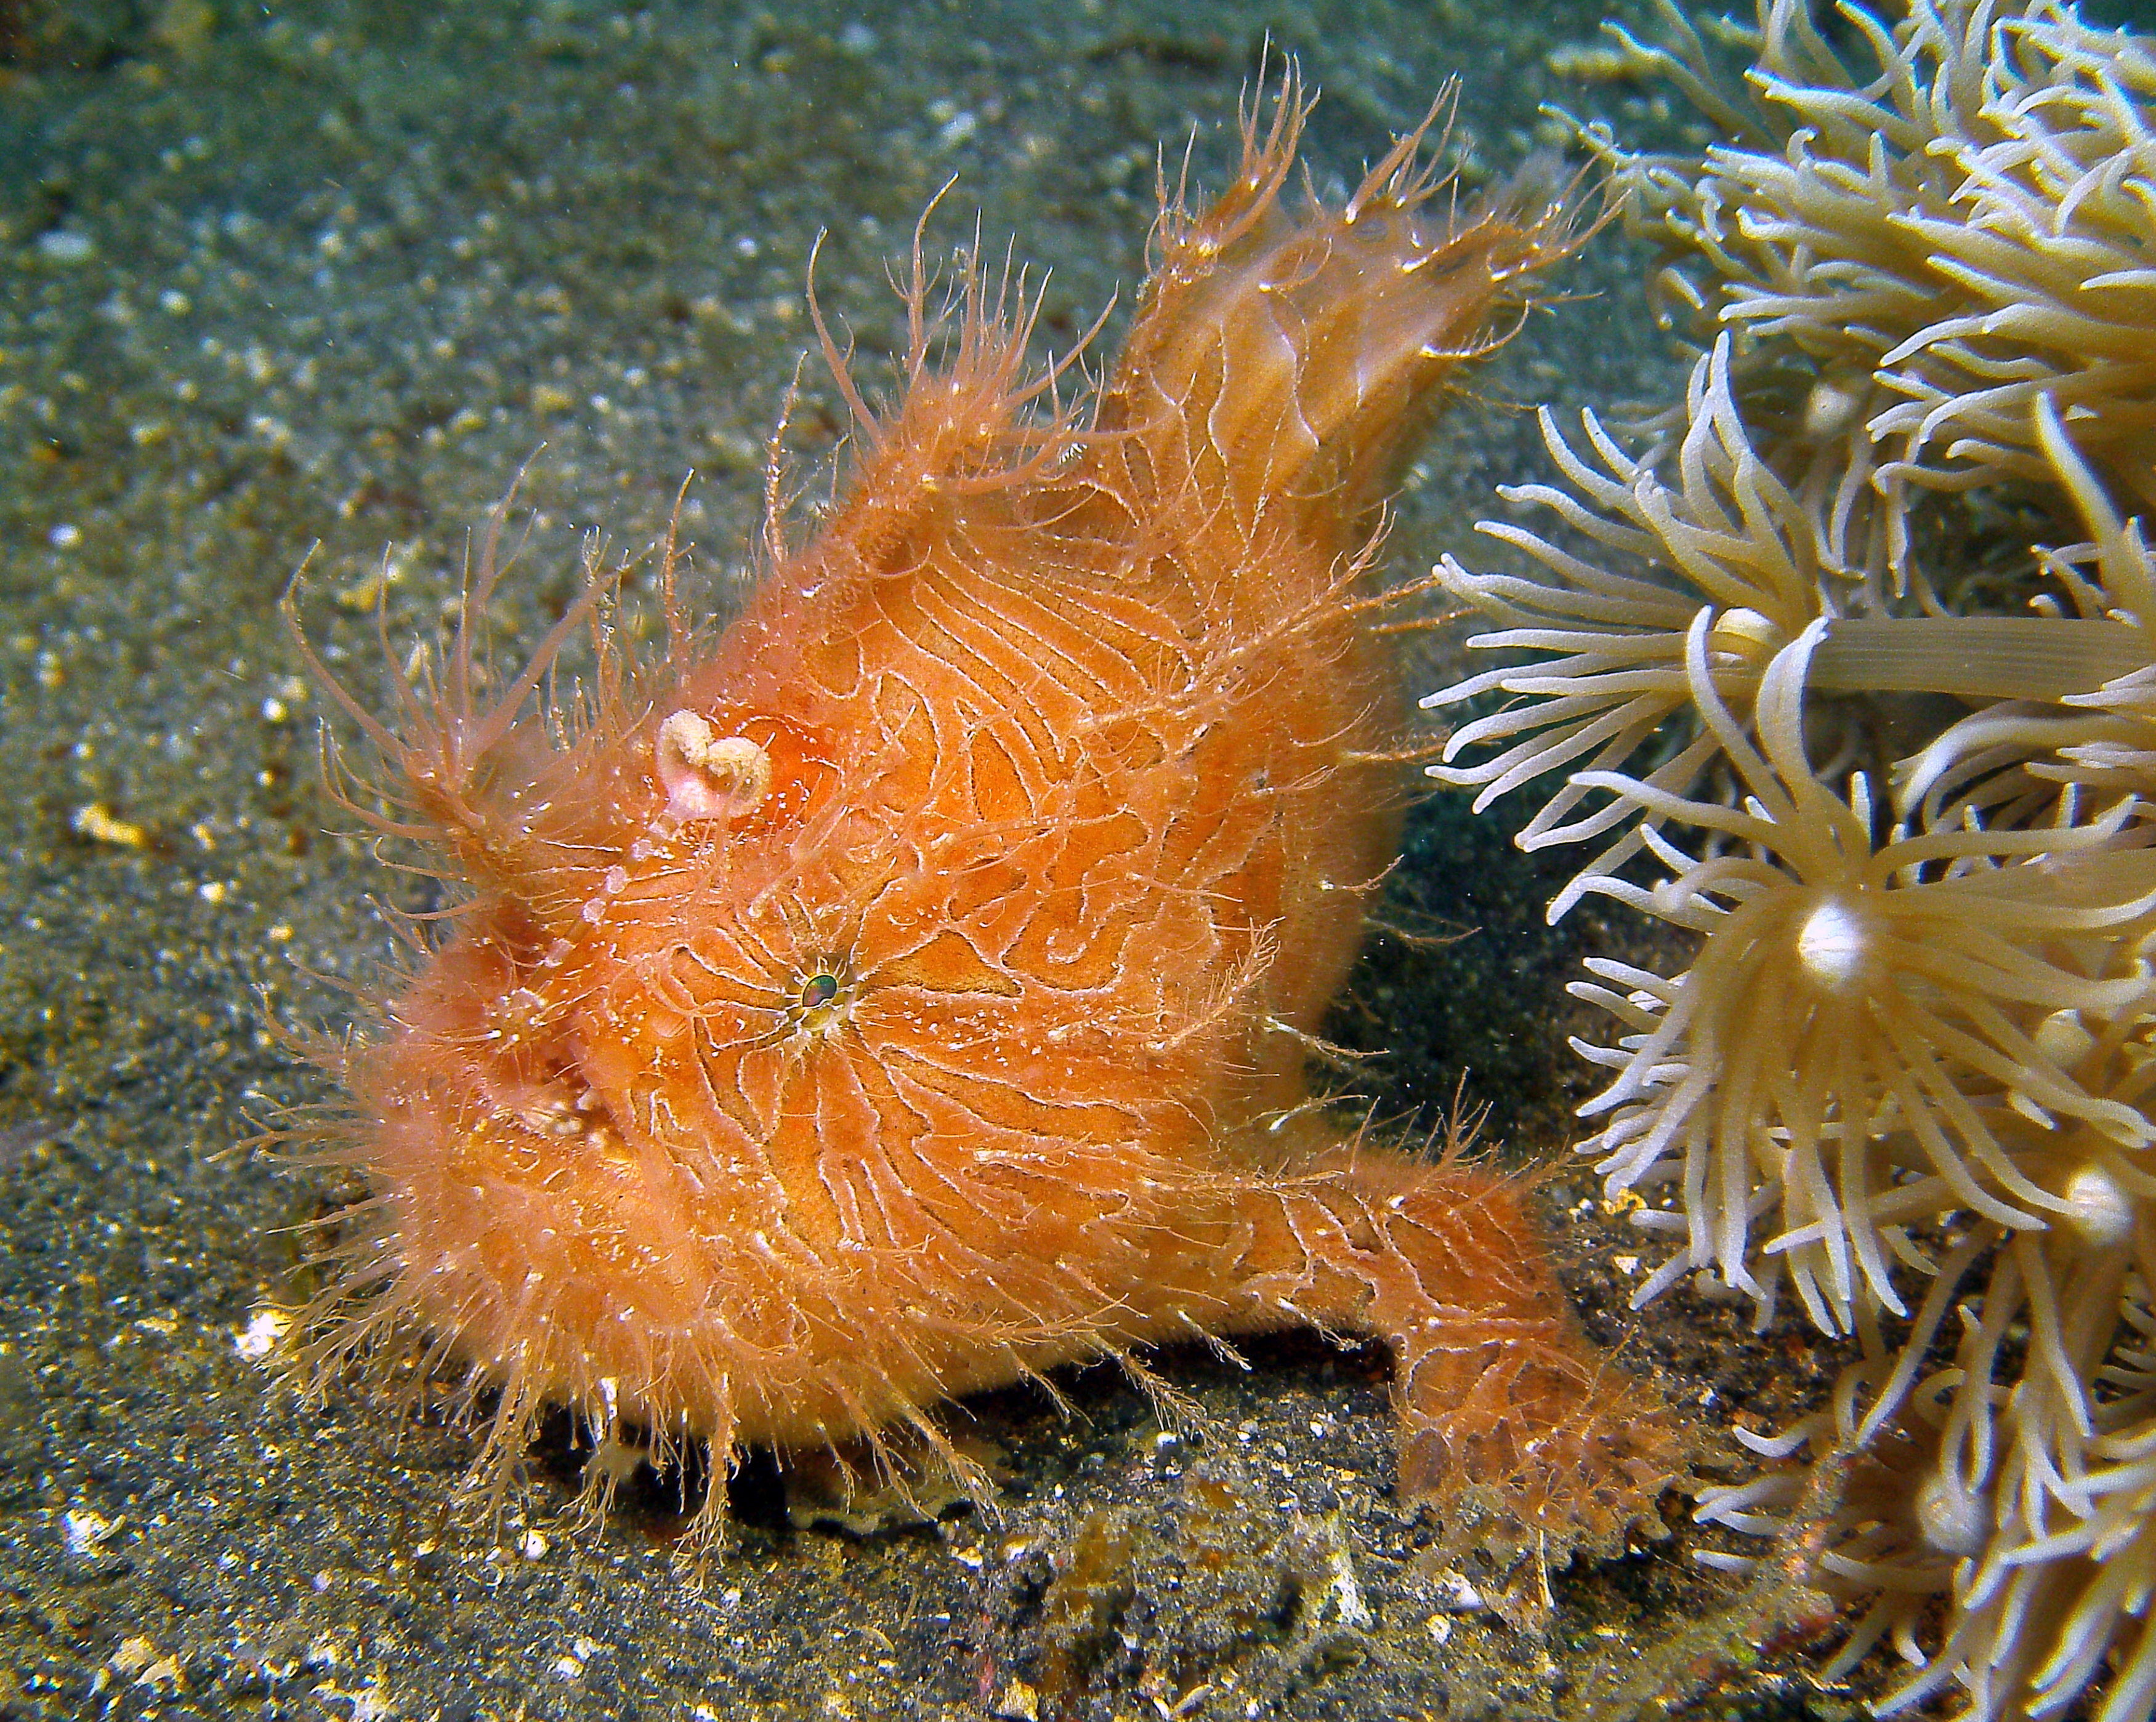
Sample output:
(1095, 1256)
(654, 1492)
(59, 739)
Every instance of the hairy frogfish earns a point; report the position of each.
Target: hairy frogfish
(911, 989)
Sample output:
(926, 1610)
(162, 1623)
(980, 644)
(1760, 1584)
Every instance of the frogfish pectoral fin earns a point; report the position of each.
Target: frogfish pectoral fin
(1529, 1444)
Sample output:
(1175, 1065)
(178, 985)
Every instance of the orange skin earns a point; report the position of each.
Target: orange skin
(929, 1008)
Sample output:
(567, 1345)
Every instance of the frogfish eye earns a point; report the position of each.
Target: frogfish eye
(818, 991)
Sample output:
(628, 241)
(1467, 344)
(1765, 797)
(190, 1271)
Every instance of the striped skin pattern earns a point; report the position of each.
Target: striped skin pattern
(910, 992)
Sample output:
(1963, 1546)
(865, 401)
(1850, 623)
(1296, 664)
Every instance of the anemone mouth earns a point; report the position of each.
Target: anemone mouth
(1835, 940)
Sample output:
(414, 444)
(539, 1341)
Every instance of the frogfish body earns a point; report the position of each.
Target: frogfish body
(910, 992)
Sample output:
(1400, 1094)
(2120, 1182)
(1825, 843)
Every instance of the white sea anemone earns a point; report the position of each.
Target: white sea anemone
(1918, 247)
(1727, 544)
(1908, 1067)
(1853, 1049)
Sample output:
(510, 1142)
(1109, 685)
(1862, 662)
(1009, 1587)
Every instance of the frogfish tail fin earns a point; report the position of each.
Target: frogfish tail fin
(1297, 353)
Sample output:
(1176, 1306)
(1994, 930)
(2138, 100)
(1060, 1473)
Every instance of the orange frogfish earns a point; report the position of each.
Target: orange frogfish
(911, 991)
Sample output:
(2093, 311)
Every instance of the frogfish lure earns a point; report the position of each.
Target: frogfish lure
(909, 991)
